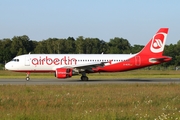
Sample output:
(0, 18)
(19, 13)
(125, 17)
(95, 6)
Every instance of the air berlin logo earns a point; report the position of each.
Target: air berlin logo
(158, 42)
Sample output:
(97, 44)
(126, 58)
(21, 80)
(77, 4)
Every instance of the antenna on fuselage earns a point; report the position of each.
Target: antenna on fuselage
(29, 53)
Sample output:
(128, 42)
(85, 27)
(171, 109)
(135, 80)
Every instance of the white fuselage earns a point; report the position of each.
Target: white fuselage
(49, 62)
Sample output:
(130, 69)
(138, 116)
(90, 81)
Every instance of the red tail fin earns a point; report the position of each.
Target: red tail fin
(156, 45)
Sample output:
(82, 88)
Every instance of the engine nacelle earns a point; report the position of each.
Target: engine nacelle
(63, 73)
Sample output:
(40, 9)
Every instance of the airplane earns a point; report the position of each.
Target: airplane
(68, 65)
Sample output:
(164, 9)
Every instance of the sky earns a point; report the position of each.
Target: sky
(134, 20)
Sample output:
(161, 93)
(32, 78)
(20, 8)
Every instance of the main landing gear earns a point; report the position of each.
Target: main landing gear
(84, 77)
(28, 78)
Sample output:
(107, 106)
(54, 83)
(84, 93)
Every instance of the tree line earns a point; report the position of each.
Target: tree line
(18, 45)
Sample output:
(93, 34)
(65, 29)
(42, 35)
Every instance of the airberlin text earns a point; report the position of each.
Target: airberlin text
(66, 60)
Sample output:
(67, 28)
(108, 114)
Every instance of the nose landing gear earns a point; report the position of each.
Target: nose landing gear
(28, 78)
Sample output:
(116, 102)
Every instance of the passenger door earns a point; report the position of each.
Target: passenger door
(27, 60)
(137, 60)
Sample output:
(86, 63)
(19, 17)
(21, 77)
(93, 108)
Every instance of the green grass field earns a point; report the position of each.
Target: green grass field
(92, 101)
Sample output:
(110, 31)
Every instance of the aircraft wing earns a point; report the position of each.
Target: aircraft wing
(85, 67)
(88, 66)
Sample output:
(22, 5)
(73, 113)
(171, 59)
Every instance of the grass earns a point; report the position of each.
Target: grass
(90, 102)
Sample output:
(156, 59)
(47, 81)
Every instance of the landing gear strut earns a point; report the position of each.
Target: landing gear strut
(84, 77)
(28, 78)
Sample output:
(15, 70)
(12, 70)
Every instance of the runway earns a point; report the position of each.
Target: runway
(92, 81)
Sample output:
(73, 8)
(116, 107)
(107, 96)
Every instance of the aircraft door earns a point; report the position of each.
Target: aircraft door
(27, 61)
(137, 60)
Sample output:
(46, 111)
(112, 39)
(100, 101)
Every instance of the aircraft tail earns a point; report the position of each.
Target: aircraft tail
(156, 45)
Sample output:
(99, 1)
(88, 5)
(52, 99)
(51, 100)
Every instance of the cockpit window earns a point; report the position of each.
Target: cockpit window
(15, 60)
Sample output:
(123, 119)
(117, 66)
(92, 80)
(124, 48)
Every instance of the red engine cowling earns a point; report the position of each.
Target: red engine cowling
(63, 73)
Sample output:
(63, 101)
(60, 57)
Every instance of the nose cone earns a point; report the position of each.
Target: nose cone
(8, 66)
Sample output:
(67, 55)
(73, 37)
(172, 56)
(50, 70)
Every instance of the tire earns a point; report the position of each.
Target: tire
(27, 78)
(84, 78)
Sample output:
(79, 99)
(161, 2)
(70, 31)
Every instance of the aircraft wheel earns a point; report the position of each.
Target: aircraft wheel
(27, 78)
(84, 78)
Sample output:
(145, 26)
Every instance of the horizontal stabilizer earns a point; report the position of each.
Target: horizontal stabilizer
(160, 59)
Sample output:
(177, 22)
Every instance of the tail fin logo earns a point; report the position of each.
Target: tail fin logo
(158, 42)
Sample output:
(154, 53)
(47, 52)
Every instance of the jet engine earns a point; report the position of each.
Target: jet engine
(63, 73)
